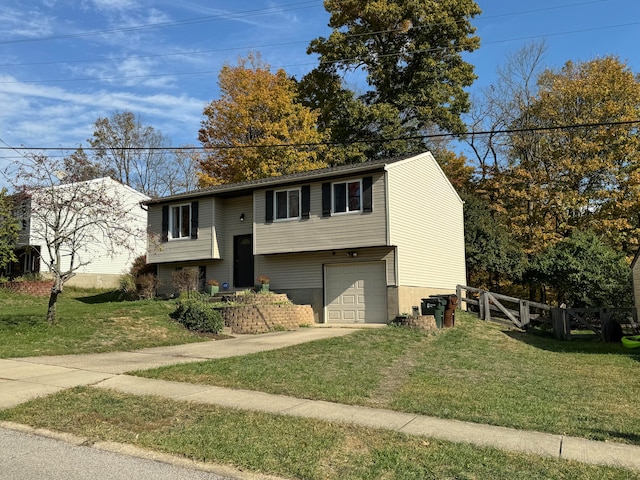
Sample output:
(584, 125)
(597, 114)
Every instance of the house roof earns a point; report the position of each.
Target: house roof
(231, 189)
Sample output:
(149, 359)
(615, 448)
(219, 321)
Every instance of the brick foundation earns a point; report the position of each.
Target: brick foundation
(36, 289)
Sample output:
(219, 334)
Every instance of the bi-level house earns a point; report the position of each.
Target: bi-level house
(100, 264)
(360, 243)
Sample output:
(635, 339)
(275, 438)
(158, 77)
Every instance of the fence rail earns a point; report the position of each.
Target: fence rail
(522, 313)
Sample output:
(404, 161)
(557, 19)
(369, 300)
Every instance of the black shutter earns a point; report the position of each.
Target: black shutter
(194, 220)
(367, 196)
(326, 199)
(268, 206)
(306, 201)
(165, 224)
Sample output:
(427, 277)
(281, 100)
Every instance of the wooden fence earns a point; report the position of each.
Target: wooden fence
(522, 313)
(518, 311)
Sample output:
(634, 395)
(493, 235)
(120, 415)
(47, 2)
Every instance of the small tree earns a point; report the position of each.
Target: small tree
(71, 220)
(584, 272)
(9, 228)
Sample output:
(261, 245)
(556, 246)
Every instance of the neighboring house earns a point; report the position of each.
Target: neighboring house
(360, 243)
(101, 267)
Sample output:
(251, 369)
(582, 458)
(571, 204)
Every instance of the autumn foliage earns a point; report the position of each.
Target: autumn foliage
(257, 128)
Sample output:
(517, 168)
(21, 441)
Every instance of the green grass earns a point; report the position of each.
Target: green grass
(88, 321)
(480, 372)
(285, 446)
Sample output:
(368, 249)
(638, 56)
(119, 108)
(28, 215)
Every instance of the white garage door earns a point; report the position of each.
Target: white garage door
(356, 293)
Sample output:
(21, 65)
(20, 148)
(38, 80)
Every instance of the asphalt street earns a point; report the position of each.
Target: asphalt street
(24, 456)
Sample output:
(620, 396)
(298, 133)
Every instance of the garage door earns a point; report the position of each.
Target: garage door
(356, 293)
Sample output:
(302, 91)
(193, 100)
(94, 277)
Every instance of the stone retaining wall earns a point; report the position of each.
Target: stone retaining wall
(426, 323)
(266, 318)
(37, 289)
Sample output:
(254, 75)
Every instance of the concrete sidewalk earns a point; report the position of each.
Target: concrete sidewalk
(22, 379)
(25, 378)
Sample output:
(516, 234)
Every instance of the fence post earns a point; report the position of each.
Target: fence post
(487, 305)
(560, 323)
(525, 316)
(459, 295)
(481, 305)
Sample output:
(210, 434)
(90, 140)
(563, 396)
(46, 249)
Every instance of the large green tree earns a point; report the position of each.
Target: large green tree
(9, 228)
(410, 54)
(257, 128)
(584, 271)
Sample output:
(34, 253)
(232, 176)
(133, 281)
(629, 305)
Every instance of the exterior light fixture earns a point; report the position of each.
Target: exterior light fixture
(242, 217)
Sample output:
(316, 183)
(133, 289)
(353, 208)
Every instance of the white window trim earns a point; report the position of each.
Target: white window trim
(171, 220)
(333, 197)
(275, 204)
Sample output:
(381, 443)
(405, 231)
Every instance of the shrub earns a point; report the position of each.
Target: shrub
(197, 315)
(186, 280)
(127, 286)
(141, 281)
(146, 285)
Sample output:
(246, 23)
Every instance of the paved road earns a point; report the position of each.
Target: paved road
(24, 456)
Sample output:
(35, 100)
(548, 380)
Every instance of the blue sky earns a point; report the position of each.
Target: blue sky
(65, 63)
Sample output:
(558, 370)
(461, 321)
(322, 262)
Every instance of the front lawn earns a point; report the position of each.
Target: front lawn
(285, 446)
(89, 321)
(480, 372)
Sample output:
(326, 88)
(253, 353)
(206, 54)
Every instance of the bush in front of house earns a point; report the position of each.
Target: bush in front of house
(198, 315)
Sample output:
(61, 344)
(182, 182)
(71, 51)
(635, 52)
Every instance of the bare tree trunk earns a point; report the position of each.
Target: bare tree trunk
(53, 300)
(51, 310)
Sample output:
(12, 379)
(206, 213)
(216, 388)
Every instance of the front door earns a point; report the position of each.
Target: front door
(243, 261)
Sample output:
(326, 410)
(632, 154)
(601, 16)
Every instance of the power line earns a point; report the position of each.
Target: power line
(342, 60)
(349, 142)
(210, 18)
(250, 47)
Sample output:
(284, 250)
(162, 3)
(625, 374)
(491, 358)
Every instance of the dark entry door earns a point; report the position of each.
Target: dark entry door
(243, 261)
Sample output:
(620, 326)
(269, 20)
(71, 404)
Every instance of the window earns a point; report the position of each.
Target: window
(287, 204)
(347, 197)
(180, 221)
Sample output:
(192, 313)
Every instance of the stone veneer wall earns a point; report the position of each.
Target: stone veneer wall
(265, 313)
(426, 323)
(37, 289)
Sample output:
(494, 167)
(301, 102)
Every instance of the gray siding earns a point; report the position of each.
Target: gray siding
(321, 233)
(204, 247)
(426, 224)
(305, 270)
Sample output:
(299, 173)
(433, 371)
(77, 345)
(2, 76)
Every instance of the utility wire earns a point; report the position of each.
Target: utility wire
(210, 18)
(348, 142)
(325, 62)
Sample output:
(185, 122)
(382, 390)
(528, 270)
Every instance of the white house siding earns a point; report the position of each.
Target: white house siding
(103, 264)
(320, 233)
(204, 247)
(426, 224)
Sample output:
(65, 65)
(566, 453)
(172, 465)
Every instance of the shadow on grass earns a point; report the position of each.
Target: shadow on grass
(633, 438)
(22, 320)
(104, 297)
(580, 343)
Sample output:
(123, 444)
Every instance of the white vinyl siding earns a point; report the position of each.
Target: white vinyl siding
(101, 259)
(322, 233)
(426, 224)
